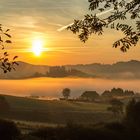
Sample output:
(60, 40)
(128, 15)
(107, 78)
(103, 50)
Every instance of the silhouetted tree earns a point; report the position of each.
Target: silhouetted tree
(122, 12)
(5, 40)
(66, 93)
(89, 95)
(129, 93)
(57, 71)
(132, 117)
(116, 107)
(117, 92)
(78, 73)
(106, 93)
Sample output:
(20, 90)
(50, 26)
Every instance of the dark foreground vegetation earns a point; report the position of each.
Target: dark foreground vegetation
(125, 125)
(127, 128)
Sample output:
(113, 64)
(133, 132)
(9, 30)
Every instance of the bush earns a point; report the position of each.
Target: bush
(8, 130)
(76, 132)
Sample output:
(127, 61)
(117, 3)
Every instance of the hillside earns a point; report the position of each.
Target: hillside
(119, 70)
(54, 112)
(24, 70)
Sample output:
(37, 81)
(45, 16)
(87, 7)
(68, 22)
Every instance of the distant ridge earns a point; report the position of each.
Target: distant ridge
(118, 70)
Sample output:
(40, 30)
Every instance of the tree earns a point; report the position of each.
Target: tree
(5, 40)
(106, 93)
(116, 107)
(66, 93)
(129, 93)
(117, 92)
(132, 116)
(117, 19)
(89, 95)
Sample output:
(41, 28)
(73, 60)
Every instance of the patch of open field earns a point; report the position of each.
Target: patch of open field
(56, 112)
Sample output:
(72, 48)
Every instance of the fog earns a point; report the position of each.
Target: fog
(52, 87)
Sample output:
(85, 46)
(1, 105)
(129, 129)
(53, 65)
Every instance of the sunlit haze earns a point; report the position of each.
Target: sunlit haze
(44, 19)
(37, 47)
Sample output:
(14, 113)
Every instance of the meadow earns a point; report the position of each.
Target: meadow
(55, 112)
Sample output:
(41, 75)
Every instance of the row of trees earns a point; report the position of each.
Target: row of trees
(116, 106)
(62, 71)
(92, 95)
(118, 92)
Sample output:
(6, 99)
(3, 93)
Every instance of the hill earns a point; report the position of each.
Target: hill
(54, 112)
(119, 70)
(24, 70)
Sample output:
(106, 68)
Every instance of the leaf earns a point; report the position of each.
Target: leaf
(16, 63)
(1, 39)
(7, 30)
(8, 41)
(5, 71)
(15, 57)
(8, 35)
(5, 60)
(6, 54)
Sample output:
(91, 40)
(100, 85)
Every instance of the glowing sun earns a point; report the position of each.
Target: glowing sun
(37, 47)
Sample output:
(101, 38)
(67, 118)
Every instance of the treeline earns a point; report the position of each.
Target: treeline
(61, 71)
(94, 95)
(118, 92)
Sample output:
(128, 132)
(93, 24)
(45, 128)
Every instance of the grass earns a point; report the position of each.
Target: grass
(55, 112)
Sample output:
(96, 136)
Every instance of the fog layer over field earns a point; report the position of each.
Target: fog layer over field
(52, 87)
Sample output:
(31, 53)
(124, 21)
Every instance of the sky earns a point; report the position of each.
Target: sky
(31, 20)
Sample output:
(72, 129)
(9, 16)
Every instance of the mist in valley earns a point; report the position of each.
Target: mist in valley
(51, 88)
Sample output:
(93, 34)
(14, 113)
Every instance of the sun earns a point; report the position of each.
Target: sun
(37, 47)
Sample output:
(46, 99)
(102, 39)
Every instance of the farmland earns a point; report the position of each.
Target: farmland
(55, 111)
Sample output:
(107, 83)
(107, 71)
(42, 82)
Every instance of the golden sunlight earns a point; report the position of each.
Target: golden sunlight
(37, 47)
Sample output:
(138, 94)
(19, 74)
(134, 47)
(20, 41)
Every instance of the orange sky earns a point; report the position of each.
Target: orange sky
(41, 19)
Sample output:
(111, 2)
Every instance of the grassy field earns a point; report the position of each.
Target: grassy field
(55, 112)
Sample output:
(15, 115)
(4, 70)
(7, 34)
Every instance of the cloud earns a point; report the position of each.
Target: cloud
(37, 13)
(99, 14)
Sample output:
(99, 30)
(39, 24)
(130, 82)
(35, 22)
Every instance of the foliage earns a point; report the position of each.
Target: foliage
(62, 71)
(128, 129)
(116, 107)
(123, 12)
(117, 92)
(90, 95)
(57, 71)
(8, 130)
(5, 40)
(132, 117)
(74, 132)
(66, 93)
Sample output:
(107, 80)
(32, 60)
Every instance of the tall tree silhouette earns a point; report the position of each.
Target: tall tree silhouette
(116, 107)
(66, 93)
(122, 11)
